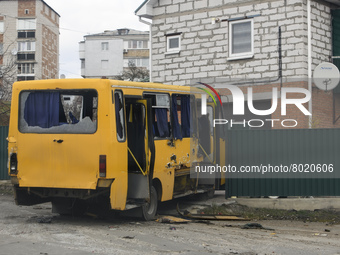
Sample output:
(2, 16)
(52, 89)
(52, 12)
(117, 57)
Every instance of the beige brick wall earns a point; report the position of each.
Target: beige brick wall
(204, 46)
(49, 54)
(29, 5)
(136, 53)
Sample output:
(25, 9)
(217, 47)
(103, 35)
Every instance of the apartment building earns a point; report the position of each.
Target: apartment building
(107, 54)
(29, 41)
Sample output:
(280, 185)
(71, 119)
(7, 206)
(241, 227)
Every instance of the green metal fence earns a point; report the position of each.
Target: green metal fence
(276, 147)
(3, 153)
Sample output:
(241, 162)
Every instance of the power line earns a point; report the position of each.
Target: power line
(60, 28)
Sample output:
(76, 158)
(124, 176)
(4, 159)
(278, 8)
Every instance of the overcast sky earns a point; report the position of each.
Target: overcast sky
(79, 17)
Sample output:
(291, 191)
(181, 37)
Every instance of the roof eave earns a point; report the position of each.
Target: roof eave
(335, 2)
(145, 10)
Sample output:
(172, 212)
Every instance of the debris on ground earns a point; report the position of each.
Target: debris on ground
(44, 220)
(207, 222)
(318, 234)
(255, 226)
(250, 226)
(128, 237)
(202, 216)
(171, 219)
(172, 228)
(330, 216)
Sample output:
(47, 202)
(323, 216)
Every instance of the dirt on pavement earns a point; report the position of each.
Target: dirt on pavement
(36, 230)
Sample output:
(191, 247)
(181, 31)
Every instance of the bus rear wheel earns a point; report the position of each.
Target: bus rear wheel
(150, 209)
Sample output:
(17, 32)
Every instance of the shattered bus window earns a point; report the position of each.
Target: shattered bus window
(62, 111)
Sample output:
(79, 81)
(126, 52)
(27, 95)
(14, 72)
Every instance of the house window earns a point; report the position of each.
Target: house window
(25, 56)
(105, 46)
(173, 43)
(26, 34)
(2, 27)
(138, 62)
(26, 24)
(25, 78)
(1, 48)
(134, 44)
(26, 46)
(27, 68)
(241, 39)
(105, 64)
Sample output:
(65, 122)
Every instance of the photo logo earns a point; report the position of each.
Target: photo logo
(204, 97)
(239, 99)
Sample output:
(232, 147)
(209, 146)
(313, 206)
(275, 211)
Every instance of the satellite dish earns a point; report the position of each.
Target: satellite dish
(14, 52)
(326, 76)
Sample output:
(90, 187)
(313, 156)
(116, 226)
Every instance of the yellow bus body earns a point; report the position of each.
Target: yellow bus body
(52, 164)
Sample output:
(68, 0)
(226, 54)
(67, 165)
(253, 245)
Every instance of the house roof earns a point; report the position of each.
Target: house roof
(336, 2)
(141, 6)
(145, 9)
(120, 32)
(50, 7)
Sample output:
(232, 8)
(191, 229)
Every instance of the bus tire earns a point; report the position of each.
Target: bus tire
(149, 210)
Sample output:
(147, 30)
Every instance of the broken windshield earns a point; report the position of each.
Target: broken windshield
(62, 111)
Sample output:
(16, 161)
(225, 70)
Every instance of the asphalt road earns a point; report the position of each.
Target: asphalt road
(35, 230)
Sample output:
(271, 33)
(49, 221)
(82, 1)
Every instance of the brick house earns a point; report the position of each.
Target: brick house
(29, 41)
(237, 42)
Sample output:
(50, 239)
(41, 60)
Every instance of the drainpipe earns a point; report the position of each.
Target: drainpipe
(309, 31)
(150, 48)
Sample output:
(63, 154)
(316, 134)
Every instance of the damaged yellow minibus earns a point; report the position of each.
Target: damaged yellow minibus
(116, 143)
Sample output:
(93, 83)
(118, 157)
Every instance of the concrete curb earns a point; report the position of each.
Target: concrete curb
(290, 203)
(310, 203)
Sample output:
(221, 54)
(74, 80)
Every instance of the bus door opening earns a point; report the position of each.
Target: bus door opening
(138, 149)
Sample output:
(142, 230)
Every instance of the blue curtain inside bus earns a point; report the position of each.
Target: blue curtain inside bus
(162, 122)
(42, 109)
(185, 115)
(118, 106)
(176, 128)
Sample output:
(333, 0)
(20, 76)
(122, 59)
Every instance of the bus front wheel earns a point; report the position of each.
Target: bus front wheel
(149, 210)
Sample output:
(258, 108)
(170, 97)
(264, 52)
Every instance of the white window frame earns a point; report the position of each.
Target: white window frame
(139, 62)
(105, 46)
(26, 69)
(23, 46)
(2, 27)
(138, 43)
(173, 50)
(26, 24)
(243, 55)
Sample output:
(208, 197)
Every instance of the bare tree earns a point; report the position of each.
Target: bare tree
(134, 73)
(8, 70)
